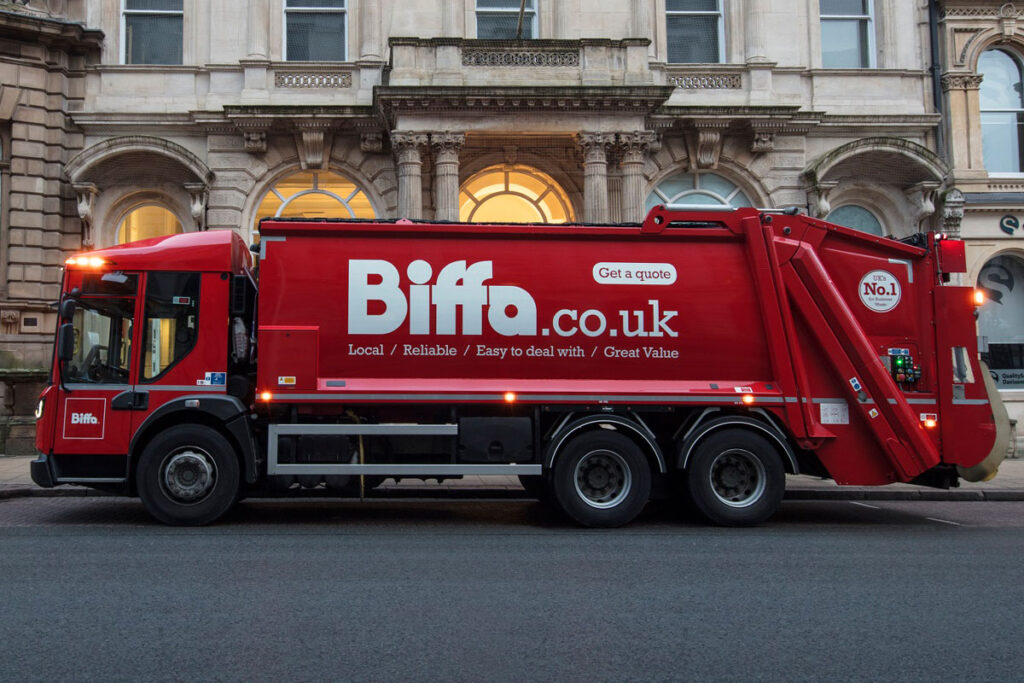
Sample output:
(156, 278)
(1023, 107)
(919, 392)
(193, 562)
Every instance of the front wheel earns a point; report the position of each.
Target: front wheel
(188, 476)
(601, 479)
(736, 478)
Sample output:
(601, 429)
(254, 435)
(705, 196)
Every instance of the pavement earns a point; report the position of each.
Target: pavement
(1007, 485)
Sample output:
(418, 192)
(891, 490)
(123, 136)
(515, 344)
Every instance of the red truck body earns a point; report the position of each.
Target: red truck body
(721, 346)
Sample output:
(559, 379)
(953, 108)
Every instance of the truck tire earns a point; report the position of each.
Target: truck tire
(735, 478)
(188, 476)
(601, 479)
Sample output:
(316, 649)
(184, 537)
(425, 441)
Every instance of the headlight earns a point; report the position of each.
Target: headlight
(39, 408)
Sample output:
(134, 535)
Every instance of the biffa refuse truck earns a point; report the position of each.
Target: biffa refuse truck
(703, 354)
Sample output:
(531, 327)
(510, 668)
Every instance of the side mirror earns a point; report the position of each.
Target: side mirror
(65, 342)
(67, 309)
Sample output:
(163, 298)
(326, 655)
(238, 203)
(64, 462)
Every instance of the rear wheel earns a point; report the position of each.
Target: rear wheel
(735, 478)
(601, 479)
(188, 476)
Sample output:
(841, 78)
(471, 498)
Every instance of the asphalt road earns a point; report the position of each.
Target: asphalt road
(90, 589)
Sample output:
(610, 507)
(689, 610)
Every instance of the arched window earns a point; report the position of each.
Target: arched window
(697, 188)
(513, 194)
(314, 194)
(143, 222)
(858, 218)
(1002, 111)
(1001, 320)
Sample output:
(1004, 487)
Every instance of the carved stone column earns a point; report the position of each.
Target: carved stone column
(635, 148)
(407, 147)
(259, 27)
(446, 147)
(594, 148)
(369, 29)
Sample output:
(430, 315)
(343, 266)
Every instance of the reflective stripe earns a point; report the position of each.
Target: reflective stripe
(578, 398)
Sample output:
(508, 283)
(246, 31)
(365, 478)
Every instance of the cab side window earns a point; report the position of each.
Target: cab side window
(171, 323)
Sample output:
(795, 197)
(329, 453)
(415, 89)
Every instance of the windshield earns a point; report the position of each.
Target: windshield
(103, 341)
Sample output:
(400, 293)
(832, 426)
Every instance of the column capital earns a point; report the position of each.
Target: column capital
(594, 146)
(634, 146)
(447, 143)
(961, 81)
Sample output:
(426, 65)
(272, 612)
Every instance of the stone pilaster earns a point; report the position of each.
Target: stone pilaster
(963, 107)
(446, 148)
(755, 45)
(258, 14)
(408, 147)
(640, 22)
(369, 29)
(594, 149)
(634, 149)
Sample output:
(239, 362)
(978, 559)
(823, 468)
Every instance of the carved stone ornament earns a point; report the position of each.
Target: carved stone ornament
(764, 141)
(1008, 20)
(953, 212)
(372, 141)
(85, 195)
(705, 144)
(922, 198)
(408, 146)
(447, 144)
(961, 82)
(9, 319)
(313, 142)
(636, 145)
(255, 141)
(198, 194)
(817, 199)
(593, 147)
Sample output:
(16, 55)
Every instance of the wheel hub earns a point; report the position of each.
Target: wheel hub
(189, 475)
(602, 479)
(737, 478)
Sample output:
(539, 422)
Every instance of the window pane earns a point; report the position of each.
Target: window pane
(172, 312)
(306, 4)
(316, 37)
(1000, 141)
(146, 222)
(691, 5)
(502, 4)
(692, 39)
(103, 341)
(858, 218)
(153, 39)
(854, 7)
(844, 44)
(1001, 320)
(1001, 87)
(161, 5)
(502, 26)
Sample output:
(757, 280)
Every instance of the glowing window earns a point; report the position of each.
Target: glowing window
(147, 221)
(697, 188)
(513, 194)
(1001, 320)
(315, 194)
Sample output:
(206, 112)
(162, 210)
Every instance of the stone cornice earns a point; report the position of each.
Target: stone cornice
(392, 101)
(531, 44)
(53, 33)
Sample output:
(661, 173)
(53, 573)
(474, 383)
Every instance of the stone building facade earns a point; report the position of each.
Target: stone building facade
(179, 115)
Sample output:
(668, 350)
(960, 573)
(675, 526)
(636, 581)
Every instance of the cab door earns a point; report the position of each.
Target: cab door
(93, 416)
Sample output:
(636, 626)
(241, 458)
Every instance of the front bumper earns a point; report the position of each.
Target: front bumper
(42, 472)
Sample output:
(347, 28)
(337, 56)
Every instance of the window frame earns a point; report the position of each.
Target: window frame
(1018, 60)
(148, 12)
(5, 187)
(869, 19)
(533, 12)
(720, 13)
(144, 337)
(343, 11)
(874, 214)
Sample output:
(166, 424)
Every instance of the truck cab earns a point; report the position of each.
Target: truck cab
(147, 340)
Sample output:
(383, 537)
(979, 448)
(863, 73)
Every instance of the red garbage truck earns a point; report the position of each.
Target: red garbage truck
(702, 354)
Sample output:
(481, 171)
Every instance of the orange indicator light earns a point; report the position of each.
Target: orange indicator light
(85, 261)
(748, 399)
(266, 396)
(929, 420)
(510, 397)
(979, 297)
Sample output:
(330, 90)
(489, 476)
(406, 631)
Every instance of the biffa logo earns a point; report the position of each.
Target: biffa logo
(84, 419)
(511, 311)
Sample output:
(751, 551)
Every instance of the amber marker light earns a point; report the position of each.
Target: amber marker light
(748, 399)
(929, 420)
(979, 297)
(266, 396)
(85, 261)
(510, 397)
